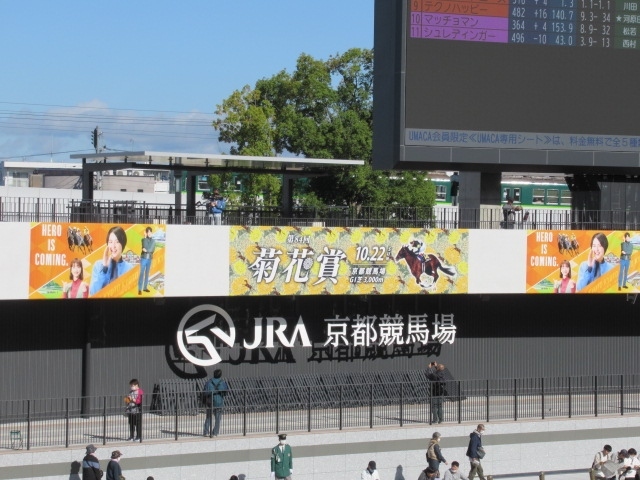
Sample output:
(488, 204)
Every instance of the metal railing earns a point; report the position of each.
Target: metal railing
(31, 209)
(298, 407)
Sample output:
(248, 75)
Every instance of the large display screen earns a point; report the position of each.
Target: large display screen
(536, 75)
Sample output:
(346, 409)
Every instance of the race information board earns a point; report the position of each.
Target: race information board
(565, 23)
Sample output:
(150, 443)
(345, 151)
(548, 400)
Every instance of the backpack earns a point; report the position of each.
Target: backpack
(431, 452)
(212, 392)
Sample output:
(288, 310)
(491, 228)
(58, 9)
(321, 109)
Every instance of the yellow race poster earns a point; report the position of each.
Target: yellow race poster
(341, 260)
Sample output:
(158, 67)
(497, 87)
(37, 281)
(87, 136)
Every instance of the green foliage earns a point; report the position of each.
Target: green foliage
(324, 109)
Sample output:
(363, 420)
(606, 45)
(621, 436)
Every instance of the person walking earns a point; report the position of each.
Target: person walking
(91, 465)
(282, 459)
(370, 473)
(475, 452)
(434, 454)
(114, 471)
(214, 392)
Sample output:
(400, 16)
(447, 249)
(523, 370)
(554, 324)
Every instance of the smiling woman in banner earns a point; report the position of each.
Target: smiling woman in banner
(595, 265)
(112, 264)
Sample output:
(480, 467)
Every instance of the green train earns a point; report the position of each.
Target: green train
(526, 193)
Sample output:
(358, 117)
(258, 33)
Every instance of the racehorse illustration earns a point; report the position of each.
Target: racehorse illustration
(88, 240)
(575, 246)
(568, 245)
(429, 267)
(75, 239)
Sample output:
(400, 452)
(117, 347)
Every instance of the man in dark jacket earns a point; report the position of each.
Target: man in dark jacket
(435, 373)
(114, 470)
(91, 465)
(475, 446)
(214, 392)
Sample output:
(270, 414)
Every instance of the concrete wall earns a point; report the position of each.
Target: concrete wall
(563, 449)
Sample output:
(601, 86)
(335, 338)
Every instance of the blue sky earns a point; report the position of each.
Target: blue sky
(150, 74)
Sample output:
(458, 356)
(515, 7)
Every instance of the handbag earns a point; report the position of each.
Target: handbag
(481, 452)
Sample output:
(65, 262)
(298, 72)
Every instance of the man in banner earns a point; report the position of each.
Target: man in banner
(146, 255)
(626, 248)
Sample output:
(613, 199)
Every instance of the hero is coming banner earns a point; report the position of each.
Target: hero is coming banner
(78, 260)
(340, 260)
(582, 261)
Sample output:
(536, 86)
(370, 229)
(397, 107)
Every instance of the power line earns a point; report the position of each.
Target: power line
(41, 154)
(99, 108)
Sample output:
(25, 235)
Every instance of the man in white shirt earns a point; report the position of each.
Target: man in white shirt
(634, 464)
(454, 473)
(600, 459)
(370, 473)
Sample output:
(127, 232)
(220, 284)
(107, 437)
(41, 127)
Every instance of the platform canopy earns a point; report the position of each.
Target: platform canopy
(204, 163)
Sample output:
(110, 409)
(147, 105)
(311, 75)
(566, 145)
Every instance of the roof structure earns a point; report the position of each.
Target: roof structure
(204, 161)
(193, 164)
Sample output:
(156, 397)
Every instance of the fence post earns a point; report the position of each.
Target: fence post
(430, 406)
(371, 406)
(570, 397)
(66, 423)
(515, 399)
(104, 421)
(244, 413)
(595, 395)
(459, 401)
(277, 410)
(176, 416)
(542, 396)
(28, 424)
(401, 403)
(487, 396)
(340, 408)
(621, 394)
(309, 411)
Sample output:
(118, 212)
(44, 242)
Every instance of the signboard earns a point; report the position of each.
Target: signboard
(206, 332)
(341, 260)
(85, 261)
(464, 85)
(581, 261)
(98, 260)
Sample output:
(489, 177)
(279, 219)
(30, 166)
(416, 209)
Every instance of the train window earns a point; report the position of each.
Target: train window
(538, 196)
(553, 196)
(441, 193)
(516, 195)
(565, 198)
(203, 183)
(506, 193)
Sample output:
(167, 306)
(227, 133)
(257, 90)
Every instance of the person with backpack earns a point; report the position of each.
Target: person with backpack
(218, 204)
(434, 454)
(91, 465)
(214, 392)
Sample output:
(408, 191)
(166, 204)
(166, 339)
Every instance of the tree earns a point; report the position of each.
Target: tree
(324, 109)
(246, 121)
